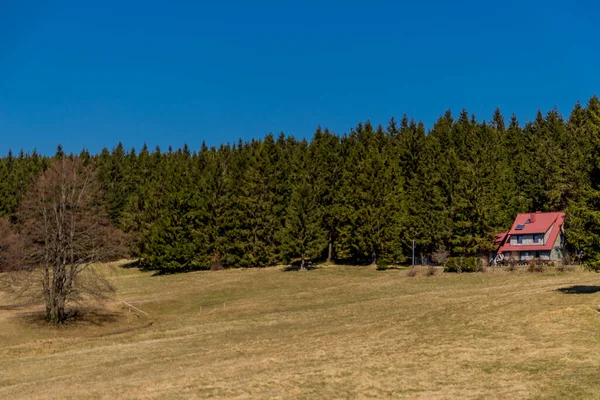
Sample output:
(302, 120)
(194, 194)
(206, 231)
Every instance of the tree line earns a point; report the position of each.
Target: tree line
(361, 197)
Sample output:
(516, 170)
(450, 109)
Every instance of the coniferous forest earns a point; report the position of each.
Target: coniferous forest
(361, 197)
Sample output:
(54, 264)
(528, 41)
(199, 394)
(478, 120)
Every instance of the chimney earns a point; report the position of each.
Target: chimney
(532, 217)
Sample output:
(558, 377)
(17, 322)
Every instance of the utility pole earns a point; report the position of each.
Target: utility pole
(413, 253)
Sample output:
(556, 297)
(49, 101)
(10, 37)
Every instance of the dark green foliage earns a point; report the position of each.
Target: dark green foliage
(325, 165)
(593, 265)
(370, 202)
(303, 234)
(361, 198)
(16, 176)
(382, 266)
(583, 210)
(453, 264)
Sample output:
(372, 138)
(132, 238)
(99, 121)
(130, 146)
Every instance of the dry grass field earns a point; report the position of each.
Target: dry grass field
(334, 332)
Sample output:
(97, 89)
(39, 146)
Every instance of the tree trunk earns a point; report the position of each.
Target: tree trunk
(56, 296)
(374, 258)
(55, 311)
(302, 266)
(330, 253)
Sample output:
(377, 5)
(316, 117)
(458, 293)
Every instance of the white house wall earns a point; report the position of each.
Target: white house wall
(530, 255)
(527, 240)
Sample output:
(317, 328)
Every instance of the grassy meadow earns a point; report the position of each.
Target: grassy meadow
(334, 332)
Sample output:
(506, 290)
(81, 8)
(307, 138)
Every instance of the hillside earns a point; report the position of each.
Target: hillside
(360, 197)
(335, 332)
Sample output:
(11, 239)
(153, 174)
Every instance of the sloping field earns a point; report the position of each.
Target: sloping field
(335, 332)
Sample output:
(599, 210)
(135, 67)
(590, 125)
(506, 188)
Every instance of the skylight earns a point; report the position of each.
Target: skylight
(520, 227)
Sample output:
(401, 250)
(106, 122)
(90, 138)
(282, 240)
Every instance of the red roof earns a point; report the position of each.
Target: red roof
(500, 238)
(535, 223)
(539, 222)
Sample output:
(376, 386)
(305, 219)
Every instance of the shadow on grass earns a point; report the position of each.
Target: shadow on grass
(173, 271)
(132, 264)
(75, 317)
(157, 271)
(11, 307)
(290, 268)
(579, 289)
(392, 267)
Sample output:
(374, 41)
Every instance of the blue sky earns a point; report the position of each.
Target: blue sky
(91, 75)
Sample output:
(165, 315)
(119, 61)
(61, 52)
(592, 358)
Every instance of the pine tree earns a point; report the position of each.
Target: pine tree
(371, 199)
(303, 234)
(325, 168)
(426, 216)
(583, 212)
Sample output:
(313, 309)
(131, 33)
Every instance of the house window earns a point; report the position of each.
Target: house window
(520, 239)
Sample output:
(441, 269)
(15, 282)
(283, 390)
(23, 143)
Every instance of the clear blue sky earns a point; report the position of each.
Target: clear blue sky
(172, 72)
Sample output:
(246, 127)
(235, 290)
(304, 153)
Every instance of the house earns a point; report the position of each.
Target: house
(538, 235)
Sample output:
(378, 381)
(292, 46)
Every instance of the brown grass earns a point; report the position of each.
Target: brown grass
(335, 332)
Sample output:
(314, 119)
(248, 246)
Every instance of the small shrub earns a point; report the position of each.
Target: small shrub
(431, 270)
(535, 266)
(561, 268)
(569, 268)
(215, 264)
(593, 265)
(382, 266)
(453, 264)
(412, 272)
(512, 265)
(472, 264)
(464, 264)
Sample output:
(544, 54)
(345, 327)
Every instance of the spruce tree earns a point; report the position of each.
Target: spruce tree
(303, 234)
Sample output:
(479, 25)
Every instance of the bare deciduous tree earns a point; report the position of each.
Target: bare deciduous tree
(440, 256)
(9, 243)
(64, 231)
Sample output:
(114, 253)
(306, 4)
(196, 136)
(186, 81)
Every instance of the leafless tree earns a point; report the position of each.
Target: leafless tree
(440, 256)
(9, 245)
(64, 230)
